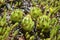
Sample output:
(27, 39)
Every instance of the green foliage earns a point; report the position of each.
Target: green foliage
(35, 12)
(27, 35)
(6, 31)
(58, 38)
(17, 15)
(42, 15)
(3, 20)
(27, 23)
(34, 2)
(53, 32)
(43, 22)
(54, 21)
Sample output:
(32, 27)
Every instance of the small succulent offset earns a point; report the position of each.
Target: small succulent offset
(43, 22)
(17, 15)
(35, 12)
(27, 23)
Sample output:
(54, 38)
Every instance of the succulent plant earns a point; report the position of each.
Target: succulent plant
(16, 15)
(35, 12)
(43, 22)
(27, 23)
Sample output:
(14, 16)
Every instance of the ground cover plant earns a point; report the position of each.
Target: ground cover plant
(29, 19)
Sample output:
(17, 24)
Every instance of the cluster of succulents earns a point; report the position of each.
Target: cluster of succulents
(41, 22)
